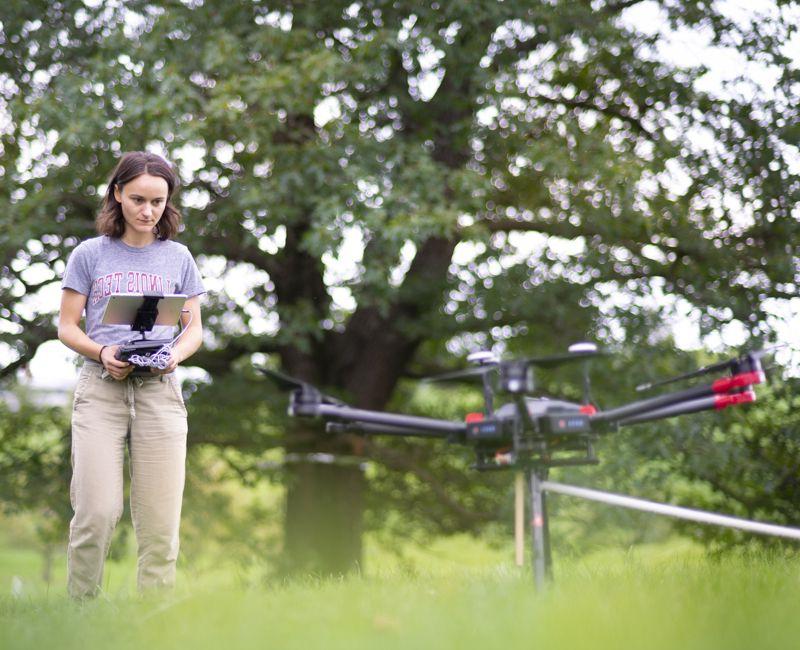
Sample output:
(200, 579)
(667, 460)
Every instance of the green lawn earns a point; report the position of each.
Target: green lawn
(453, 594)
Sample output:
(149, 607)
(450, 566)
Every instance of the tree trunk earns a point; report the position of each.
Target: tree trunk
(324, 518)
(325, 501)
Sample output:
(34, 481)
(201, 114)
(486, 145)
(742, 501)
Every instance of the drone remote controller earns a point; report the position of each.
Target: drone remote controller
(143, 353)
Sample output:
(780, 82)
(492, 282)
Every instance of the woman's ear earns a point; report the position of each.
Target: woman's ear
(117, 193)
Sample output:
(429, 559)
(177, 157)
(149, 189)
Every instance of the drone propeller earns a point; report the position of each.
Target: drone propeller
(467, 374)
(576, 352)
(714, 367)
(285, 382)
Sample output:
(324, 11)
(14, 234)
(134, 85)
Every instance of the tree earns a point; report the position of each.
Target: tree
(34, 469)
(510, 171)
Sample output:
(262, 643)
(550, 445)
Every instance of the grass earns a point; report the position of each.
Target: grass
(454, 594)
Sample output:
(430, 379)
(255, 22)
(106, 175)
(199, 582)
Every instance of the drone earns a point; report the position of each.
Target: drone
(527, 431)
(533, 434)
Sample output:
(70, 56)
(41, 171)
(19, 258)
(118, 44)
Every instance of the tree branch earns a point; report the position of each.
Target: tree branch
(12, 367)
(35, 332)
(611, 110)
(220, 360)
(616, 7)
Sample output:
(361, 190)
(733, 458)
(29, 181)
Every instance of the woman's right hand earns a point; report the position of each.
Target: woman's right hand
(119, 370)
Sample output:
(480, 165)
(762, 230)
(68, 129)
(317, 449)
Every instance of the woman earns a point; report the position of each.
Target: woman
(114, 408)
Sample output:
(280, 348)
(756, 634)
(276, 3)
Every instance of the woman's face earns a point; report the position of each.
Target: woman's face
(143, 201)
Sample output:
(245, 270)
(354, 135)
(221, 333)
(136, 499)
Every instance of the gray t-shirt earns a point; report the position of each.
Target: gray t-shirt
(103, 266)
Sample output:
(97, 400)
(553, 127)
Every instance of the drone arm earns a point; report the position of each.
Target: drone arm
(717, 402)
(363, 428)
(659, 402)
(699, 398)
(352, 419)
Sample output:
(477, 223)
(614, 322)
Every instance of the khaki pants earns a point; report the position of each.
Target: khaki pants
(148, 415)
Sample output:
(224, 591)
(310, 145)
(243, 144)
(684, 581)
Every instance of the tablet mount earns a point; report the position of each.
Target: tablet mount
(146, 314)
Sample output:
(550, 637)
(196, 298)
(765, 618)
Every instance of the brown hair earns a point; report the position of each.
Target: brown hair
(132, 165)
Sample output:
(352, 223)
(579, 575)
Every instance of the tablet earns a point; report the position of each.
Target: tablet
(122, 308)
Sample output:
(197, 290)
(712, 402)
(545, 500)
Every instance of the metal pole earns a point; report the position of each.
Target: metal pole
(538, 529)
(519, 518)
(671, 511)
(548, 559)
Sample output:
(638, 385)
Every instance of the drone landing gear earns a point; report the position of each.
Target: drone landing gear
(541, 558)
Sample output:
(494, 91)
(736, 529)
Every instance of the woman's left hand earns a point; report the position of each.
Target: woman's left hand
(173, 363)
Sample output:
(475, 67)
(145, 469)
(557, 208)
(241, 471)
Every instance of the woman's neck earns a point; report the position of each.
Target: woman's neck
(137, 239)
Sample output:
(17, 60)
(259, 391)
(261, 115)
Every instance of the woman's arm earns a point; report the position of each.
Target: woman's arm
(71, 335)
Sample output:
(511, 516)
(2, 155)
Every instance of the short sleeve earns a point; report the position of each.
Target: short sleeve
(77, 275)
(191, 280)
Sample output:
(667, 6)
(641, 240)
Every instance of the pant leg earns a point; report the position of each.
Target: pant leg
(158, 459)
(99, 429)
